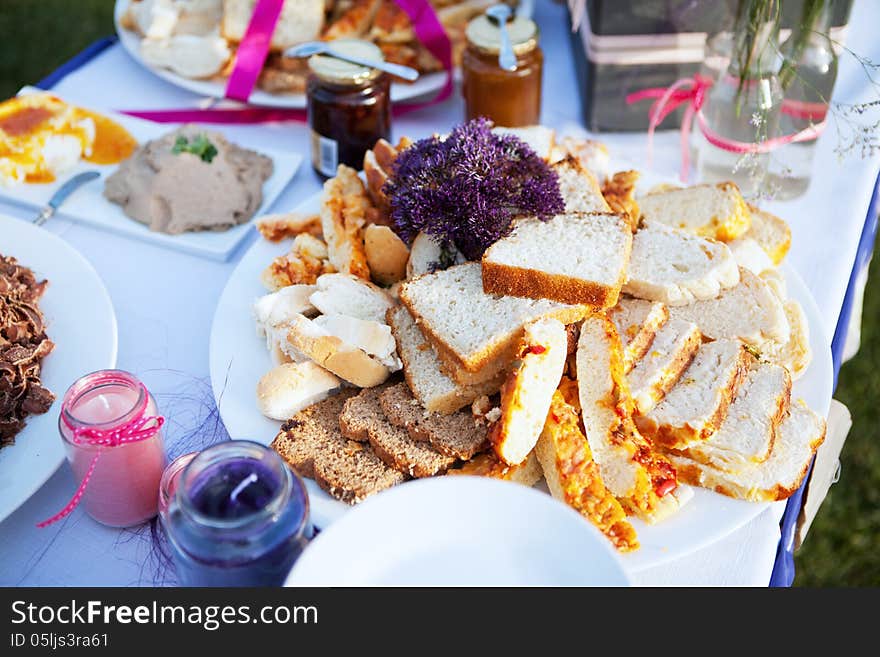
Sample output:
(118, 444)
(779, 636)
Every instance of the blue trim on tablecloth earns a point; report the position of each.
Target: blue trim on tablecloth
(76, 62)
(783, 568)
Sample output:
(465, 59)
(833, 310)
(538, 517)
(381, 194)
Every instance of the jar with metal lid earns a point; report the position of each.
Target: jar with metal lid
(349, 106)
(508, 98)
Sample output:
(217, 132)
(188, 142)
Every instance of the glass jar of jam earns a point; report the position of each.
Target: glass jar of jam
(508, 98)
(349, 107)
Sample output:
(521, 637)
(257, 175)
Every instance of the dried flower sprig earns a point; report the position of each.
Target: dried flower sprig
(466, 189)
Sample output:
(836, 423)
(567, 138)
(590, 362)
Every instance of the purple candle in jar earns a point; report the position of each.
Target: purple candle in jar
(238, 517)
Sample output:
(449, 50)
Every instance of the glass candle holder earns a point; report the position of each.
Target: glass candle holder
(113, 440)
(238, 517)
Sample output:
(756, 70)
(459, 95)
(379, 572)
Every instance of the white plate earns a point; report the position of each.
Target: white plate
(238, 358)
(88, 205)
(460, 531)
(81, 323)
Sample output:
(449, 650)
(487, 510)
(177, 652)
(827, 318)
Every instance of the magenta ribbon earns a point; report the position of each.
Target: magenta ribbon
(254, 48)
(137, 429)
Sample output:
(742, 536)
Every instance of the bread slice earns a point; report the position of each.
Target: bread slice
(527, 473)
(579, 189)
(426, 255)
(371, 337)
(458, 435)
(717, 211)
(637, 322)
(344, 294)
(675, 267)
(771, 233)
(697, 405)
(344, 208)
(799, 436)
(642, 480)
(362, 417)
(386, 254)
(572, 258)
(593, 156)
(528, 390)
(288, 388)
(750, 312)
(573, 476)
(474, 332)
(672, 351)
(749, 254)
(353, 22)
(796, 354)
(435, 391)
(539, 138)
(300, 20)
(746, 436)
(313, 445)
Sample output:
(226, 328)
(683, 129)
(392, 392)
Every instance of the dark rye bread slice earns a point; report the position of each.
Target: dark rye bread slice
(363, 414)
(458, 435)
(313, 446)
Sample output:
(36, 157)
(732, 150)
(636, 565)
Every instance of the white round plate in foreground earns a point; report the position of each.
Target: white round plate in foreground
(460, 531)
(81, 322)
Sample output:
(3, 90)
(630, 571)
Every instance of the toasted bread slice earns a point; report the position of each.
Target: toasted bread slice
(771, 233)
(344, 209)
(391, 25)
(697, 405)
(619, 192)
(637, 322)
(799, 436)
(579, 188)
(675, 267)
(526, 394)
(548, 259)
(717, 211)
(527, 473)
(353, 22)
(276, 227)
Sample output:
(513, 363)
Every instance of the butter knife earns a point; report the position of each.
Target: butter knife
(61, 195)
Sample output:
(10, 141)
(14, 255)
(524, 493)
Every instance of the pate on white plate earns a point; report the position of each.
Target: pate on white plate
(81, 322)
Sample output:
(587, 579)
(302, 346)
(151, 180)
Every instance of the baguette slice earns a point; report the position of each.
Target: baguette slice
(572, 258)
(435, 391)
(799, 436)
(579, 188)
(344, 294)
(717, 211)
(287, 389)
(527, 473)
(747, 434)
(637, 322)
(573, 476)
(697, 405)
(675, 267)
(528, 390)
(386, 254)
(750, 312)
(474, 332)
(672, 351)
(426, 256)
(771, 233)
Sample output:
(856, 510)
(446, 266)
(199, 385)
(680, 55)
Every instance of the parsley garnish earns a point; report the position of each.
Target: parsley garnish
(200, 145)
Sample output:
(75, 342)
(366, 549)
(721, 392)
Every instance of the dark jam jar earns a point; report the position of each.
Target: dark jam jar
(349, 107)
(508, 98)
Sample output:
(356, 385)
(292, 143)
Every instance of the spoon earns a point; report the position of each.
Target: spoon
(61, 195)
(322, 48)
(500, 14)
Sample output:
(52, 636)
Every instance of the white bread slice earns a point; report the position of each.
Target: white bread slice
(332, 353)
(642, 480)
(717, 210)
(527, 473)
(672, 351)
(274, 311)
(749, 254)
(573, 258)
(696, 406)
(421, 367)
(474, 332)
(579, 188)
(539, 138)
(777, 283)
(371, 337)
(798, 437)
(426, 255)
(637, 322)
(746, 436)
(386, 254)
(300, 20)
(675, 267)
(750, 312)
(771, 233)
(593, 156)
(344, 294)
(195, 56)
(526, 394)
(287, 389)
(796, 354)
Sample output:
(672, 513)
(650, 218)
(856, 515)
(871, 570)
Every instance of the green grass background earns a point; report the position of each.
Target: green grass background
(842, 548)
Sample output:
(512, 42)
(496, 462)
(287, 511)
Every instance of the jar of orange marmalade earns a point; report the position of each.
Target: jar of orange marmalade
(508, 98)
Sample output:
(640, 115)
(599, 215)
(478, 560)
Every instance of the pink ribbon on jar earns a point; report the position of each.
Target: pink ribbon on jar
(137, 429)
(693, 92)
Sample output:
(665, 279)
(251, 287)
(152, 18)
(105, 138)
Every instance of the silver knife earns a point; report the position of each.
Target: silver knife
(61, 195)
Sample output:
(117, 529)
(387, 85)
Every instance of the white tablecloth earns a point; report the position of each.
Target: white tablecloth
(165, 302)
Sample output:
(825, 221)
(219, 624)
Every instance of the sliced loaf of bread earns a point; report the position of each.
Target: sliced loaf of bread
(717, 210)
(472, 331)
(798, 437)
(694, 409)
(579, 188)
(676, 267)
(572, 258)
(527, 473)
(637, 322)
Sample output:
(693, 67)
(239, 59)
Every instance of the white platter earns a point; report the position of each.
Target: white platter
(81, 322)
(88, 205)
(460, 531)
(238, 358)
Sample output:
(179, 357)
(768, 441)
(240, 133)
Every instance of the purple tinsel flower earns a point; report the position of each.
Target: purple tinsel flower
(467, 189)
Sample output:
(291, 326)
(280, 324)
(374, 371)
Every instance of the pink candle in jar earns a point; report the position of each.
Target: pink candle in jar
(112, 435)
